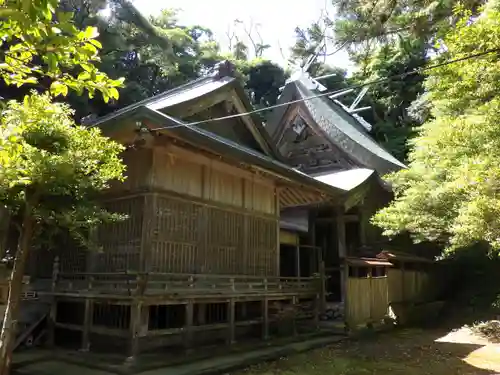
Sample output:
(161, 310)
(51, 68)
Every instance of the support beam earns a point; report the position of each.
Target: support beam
(317, 308)
(265, 318)
(312, 239)
(87, 325)
(188, 342)
(297, 260)
(294, 315)
(363, 223)
(135, 331)
(231, 313)
(342, 248)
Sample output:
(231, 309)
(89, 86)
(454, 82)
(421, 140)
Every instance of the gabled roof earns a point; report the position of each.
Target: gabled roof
(219, 83)
(341, 127)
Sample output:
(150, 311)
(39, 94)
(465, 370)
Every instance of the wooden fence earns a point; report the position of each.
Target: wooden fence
(407, 285)
(367, 299)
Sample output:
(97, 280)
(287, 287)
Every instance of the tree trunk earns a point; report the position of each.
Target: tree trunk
(8, 334)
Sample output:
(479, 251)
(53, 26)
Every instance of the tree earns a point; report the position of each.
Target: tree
(38, 44)
(50, 169)
(449, 193)
(386, 38)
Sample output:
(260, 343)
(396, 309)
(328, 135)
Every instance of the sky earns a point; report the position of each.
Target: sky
(276, 20)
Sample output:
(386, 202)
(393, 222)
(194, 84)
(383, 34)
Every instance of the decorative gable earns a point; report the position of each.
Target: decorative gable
(306, 148)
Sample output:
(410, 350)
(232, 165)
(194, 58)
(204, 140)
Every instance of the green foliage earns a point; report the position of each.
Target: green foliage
(387, 38)
(450, 191)
(58, 167)
(390, 100)
(39, 42)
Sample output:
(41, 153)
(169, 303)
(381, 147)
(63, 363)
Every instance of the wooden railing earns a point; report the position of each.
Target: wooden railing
(134, 283)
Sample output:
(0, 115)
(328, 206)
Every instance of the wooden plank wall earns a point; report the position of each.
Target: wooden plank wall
(189, 214)
(367, 298)
(221, 219)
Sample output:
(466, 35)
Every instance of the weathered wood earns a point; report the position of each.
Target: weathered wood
(342, 251)
(294, 315)
(322, 292)
(265, 318)
(148, 231)
(317, 310)
(135, 331)
(231, 338)
(189, 324)
(297, 260)
(87, 325)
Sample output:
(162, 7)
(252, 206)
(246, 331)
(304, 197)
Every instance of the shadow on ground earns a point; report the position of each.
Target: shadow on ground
(403, 352)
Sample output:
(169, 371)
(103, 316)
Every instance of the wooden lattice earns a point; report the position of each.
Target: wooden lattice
(195, 238)
(121, 241)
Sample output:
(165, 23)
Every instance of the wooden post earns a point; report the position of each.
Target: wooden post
(317, 308)
(342, 250)
(265, 318)
(135, 327)
(148, 231)
(297, 260)
(231, 313)
(312, 238)
(362, 224)
(294, 315)
(322, 291)
(87, 325)
(189, 324)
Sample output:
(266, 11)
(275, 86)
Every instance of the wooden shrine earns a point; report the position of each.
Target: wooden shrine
(198, 259)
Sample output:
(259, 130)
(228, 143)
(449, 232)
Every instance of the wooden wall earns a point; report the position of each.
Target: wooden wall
(219, 219)
(121, 242)
(187, 173)
(189, 214)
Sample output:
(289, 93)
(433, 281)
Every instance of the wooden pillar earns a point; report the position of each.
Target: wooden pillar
(342, 250)
(265, 318)
(278, 243)
(294, 315)
(363, 223)
(297, 259)
(135, 331)
(87, 325)
(148, 225)
(189, 324)
(312, 239)
(316, 311)
(231, 313)
(322, 285)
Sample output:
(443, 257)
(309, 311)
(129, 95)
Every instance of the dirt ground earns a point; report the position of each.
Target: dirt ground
(404, 352)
